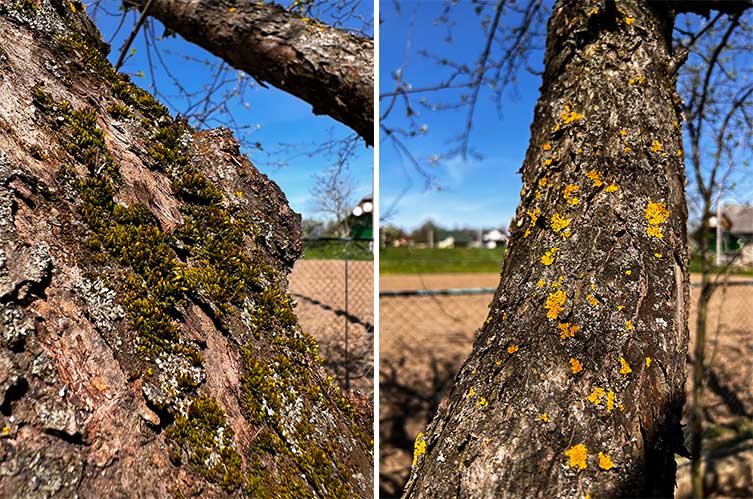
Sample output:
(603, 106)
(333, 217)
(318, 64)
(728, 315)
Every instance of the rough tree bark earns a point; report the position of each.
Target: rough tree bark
(331, 69)
(147, 346)
(575, 385)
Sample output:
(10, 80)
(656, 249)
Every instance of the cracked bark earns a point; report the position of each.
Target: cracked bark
(83, 413)
(331, 69)
(604, 156)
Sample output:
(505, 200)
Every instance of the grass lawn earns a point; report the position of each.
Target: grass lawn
(695, 267)
(337, 250)
(439, 261)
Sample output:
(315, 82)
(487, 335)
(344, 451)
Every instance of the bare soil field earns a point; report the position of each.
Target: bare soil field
(423, 341)
(319, 288)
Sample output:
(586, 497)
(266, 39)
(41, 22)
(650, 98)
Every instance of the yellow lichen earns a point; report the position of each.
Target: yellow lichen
(648, 361)
(548, 162)
(548, 257)
(568, 330)
(629, 20)
(534, 218)
(547, 146)
(577, 454)
(542, 182)
(655, 214)
(512, 349)
(568, 192)
(620, 307)
(419, 448)
(658, 255)
(541, 283)
(612, 188)
(558, 222)
(621, 407)
(569, 116)
(610, 401)
(544, 418)
(592, 300)
(6, 430)
(575, 366)
(597, 395)
(471, 392)
(595, 177)
(605, 462)
(656, 146)
(629, 325)
(482, 402)
(625, 367)
(555, 303)
(638, 80)
(498, 363)
(628, 272)
(623, 132)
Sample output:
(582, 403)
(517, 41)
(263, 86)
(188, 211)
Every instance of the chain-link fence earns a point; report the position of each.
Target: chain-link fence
(333, 285)
(425, 334)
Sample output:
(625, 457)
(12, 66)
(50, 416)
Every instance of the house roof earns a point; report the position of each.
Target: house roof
(740, 218)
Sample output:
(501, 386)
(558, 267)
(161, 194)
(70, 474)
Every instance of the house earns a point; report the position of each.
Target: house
(737, 237)
(495, 238)
(361, 219)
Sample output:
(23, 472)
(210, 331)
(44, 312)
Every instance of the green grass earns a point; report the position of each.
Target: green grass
(336, 250)
(439, 261)
(695, 268)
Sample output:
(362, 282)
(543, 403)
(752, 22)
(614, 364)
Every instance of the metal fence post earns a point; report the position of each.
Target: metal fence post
(347, 319)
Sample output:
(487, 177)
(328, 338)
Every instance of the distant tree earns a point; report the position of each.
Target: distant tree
(332, 197)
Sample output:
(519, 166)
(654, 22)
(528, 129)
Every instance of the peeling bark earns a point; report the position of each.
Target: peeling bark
(331, 69)
(147, 346)
(575, 385)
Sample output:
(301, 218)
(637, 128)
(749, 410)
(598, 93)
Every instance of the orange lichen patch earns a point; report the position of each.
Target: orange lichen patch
(547, 147)
(568, 193)
(419, 448)
(625, 367)
(656, 146)
(537, 194)
(612, 188)
(558, 222)
(629, 325)
(231, 9)
(569, 116)
(548, 257)
(575, 366)
(656, 214)
(577, 454)
(629, 20)
(544, 418)
(555, 303)
(482, 402)
(592, 300)
(568, 330)
(648, 361)
(595, 177)
(621, 407)
(534, 218)
(512, 349)
(471, 392)
(541, 283)
(542, 182)
(638, 80)
(597, 395)
(610, 401)
(605, 462)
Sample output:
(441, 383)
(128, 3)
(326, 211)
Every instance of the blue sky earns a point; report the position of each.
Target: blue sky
(477, 193)
(281, 118)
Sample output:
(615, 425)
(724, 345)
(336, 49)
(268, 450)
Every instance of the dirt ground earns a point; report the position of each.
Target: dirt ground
(319, 289)
(423, 341)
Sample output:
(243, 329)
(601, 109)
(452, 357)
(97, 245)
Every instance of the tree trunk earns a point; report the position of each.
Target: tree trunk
(575, 385)
(331, 69)
(147, 346)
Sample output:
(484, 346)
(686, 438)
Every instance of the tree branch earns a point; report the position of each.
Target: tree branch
(329, 68)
